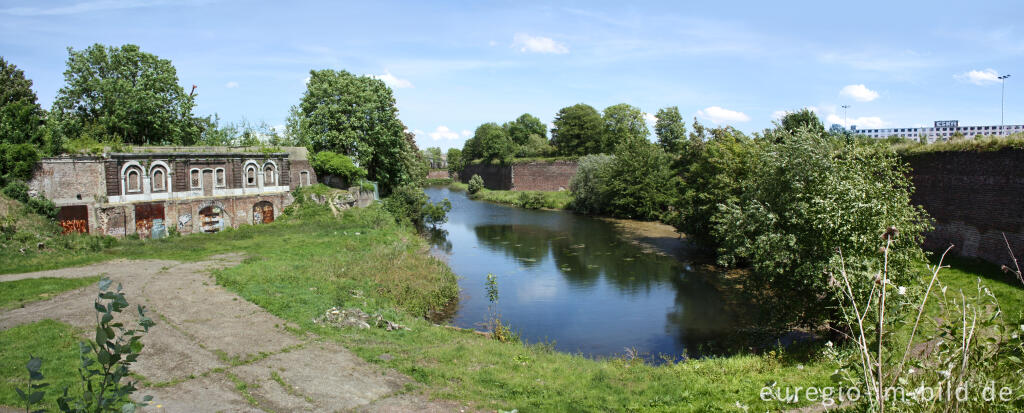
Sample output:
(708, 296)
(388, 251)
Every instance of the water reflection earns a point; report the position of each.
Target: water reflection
(574, 280)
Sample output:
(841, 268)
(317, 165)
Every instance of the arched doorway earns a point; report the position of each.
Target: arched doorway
(262, 213)
(212, 218)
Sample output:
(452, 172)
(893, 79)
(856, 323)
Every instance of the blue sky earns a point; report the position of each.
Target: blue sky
(455, 65)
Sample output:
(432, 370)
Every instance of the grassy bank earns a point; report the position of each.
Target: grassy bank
(14, 294)
(54, 342)
(309, 261)
(522, 199)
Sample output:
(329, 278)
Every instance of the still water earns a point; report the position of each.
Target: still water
(576, 281)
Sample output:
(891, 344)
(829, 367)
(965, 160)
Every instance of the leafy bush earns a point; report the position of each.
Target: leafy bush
(589, 185)
(639, 187)
(330, 163)
(17, 161)
(805, 198)
(16, 190)
(410, 204)
(476, 183)
(42, 206)
(532, 200)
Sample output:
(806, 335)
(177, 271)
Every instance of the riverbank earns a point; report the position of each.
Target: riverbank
(522, 199)
(299, 267)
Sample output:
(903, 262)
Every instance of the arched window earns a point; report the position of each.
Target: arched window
(268, 175)
(220, 177)
(250, 176)
(159, 180)
(133, 180)
(194, 179)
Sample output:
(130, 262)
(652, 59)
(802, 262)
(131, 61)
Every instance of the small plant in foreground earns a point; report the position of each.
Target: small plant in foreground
(499, 330)
(105, 360)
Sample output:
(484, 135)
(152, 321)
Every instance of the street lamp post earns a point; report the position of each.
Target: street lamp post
(846, 121)
(1002, 104)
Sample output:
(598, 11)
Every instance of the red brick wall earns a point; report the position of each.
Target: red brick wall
(437, 174)
(543, 176)
(974, 197)
(494, 176)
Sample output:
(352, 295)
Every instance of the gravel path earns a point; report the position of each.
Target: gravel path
(208, 339)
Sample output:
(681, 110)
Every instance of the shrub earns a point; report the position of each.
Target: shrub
(805, 198)
(16, 190)
(42, 206)
(330, 163)
(410, 204)
(589, 186)
(532, 200)
(476, 183)
(17, 161)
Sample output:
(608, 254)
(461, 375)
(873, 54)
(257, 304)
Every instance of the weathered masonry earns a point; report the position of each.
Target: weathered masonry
(532, 176)
(154, 189)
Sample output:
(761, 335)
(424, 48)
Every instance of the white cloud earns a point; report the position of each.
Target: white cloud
(859, 93)
(779, 114)
(231, 85)
(393, 81)
(650, 118)
(442, 132)
(863, 122)
(720, 115)
(538, 44)
(466, 133)
(306, 80)
(979, 77)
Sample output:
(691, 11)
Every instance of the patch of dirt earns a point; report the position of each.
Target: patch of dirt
(207, 339)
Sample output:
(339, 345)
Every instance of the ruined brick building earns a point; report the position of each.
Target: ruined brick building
(154, 189)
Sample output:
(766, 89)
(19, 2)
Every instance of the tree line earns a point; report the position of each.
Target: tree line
(120, 95)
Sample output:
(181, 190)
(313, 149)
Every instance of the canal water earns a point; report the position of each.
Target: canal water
(575, 281)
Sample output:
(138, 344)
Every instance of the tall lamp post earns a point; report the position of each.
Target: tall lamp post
(846, 122)
(1002, 103)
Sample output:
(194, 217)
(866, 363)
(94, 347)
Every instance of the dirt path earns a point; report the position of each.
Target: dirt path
(208, 341)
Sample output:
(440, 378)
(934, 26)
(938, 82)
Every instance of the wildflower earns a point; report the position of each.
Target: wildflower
(910, 371)
(944, 373)
(829, 344)
(901, 290)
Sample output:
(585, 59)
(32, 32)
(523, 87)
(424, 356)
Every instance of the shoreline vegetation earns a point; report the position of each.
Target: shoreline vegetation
(387, 270)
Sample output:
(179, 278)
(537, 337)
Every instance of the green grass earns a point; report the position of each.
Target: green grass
(547, 199)
(300, 266)
(14, 294)
(55, 343)
(437, 181)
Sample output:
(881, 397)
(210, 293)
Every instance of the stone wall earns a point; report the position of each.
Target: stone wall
(543, 176)
(67, 181)
(533, 176)
(437, 174)
(974, 198)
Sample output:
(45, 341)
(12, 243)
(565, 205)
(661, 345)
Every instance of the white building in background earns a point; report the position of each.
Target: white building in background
(941, 131)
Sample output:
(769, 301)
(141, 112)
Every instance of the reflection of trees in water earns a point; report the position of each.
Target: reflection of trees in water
(582, 252)
(438, 238)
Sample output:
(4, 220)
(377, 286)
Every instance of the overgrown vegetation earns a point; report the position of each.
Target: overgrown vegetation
(330, 163)
(522, 199)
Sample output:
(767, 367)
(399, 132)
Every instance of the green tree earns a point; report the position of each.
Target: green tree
(455, 161)
(803, 118)
(491, 142)
(535, 146)
(578, 130)
(356, 116)
(589, 186)
(525, 126)
(622, 123)
(122, 93)
(21, 118)
(639, 182)
(670, 129)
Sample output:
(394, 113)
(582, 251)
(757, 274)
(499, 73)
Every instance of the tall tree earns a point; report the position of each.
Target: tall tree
(523, 127)
(803, 118)
(357, 116)
(670, 129)
(491, 142)
(124, 93)
(578, 129)
(622, 123)
(21, 118)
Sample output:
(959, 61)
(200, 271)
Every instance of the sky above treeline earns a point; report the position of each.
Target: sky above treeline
(454, 65)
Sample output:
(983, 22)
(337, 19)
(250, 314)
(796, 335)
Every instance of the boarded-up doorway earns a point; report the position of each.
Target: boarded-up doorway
(262, 213)
(144, 216)
(212, 219)
(74, 218)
